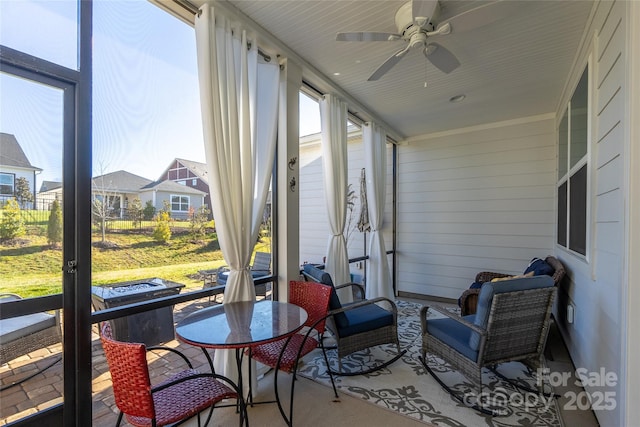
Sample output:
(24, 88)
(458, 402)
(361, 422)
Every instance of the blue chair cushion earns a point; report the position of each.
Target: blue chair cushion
(364, 318)
(454, 334)
(323, 277)
(539, 267)
(489, 289)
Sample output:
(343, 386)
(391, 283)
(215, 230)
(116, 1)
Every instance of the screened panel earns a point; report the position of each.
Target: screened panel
(31, 231)
(46, 29)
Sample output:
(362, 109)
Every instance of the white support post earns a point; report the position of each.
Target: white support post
(288, 177)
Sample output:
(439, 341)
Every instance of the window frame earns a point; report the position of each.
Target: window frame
(13, 184)
(181, 203)
(572, 170)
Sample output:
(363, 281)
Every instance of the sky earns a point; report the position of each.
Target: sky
(146, 108)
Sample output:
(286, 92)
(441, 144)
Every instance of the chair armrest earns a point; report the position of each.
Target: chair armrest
(469, 301)
(171, 350)
(359, 289)
(487, 276)
(442, 310)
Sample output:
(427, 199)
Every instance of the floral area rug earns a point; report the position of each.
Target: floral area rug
(407, 388)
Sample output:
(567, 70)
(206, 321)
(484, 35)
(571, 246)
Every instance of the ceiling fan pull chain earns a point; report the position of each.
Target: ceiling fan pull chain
(425, 73)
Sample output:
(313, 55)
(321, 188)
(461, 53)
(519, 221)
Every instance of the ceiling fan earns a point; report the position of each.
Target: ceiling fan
(418, 21)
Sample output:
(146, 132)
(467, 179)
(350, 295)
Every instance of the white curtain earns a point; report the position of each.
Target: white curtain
(239, 103)
(333, 123)
(375, 158)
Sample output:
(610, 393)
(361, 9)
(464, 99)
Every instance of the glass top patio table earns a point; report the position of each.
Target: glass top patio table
(241, 324)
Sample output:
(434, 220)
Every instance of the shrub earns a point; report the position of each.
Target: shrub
(11, 224)
(162, 232)
(149, 211)
(54, 226)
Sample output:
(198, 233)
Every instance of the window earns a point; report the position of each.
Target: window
(180, 203)
(6, 184)
(194, 182)
(573, 168)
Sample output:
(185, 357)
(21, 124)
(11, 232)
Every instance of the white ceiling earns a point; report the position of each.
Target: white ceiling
(514, 67)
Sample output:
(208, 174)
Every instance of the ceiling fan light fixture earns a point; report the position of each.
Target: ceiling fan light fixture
(458, 98)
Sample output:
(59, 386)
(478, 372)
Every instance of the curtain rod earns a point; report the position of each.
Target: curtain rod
(191, 8)
(310, 89)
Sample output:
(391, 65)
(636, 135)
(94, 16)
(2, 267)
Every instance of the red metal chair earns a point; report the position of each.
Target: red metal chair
(283, 355)
(174, 400)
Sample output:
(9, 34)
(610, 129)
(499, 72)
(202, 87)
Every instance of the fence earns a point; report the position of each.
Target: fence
(118, 220)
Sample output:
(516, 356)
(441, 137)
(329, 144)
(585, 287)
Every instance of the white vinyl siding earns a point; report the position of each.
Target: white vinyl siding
(596, 289)
(474, 200)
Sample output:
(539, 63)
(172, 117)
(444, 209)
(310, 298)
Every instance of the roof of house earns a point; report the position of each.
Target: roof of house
(200, 169)
(11, 153)
(171, 187)
(49, 186)
(120, 182)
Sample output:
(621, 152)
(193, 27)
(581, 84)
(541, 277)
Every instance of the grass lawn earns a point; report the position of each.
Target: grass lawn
(29, 267)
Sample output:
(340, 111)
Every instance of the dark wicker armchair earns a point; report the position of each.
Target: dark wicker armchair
(511, 324)
(359, 325)
(469, 298)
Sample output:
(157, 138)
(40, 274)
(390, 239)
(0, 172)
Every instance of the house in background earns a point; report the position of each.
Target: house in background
(49, 191)
(14, 164)
(121, 187)
(189, 174)
(181, 198)
(192, 174)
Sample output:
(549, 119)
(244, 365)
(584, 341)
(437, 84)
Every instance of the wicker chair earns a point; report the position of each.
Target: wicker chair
(23, 334)
(179, 398)
(469, 298)
(284, 354)
(511, 324)
(359, 325)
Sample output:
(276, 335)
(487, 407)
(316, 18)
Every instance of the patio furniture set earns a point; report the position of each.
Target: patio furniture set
(510, 322)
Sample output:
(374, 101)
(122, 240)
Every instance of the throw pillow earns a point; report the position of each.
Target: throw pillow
(539, 267)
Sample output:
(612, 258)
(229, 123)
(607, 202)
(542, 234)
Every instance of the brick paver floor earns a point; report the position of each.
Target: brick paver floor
(45, 388)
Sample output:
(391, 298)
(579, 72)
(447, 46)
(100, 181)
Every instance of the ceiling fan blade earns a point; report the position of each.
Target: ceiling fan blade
(367, 36)
(441, 57)
(388, 64)
(479, 16)
(423, 11)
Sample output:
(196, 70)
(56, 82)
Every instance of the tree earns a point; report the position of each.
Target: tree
(136, 212)
(23, 192)
(11, 223)
(198, 221)
(162, 232)
(102, 203)
(54, 226)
